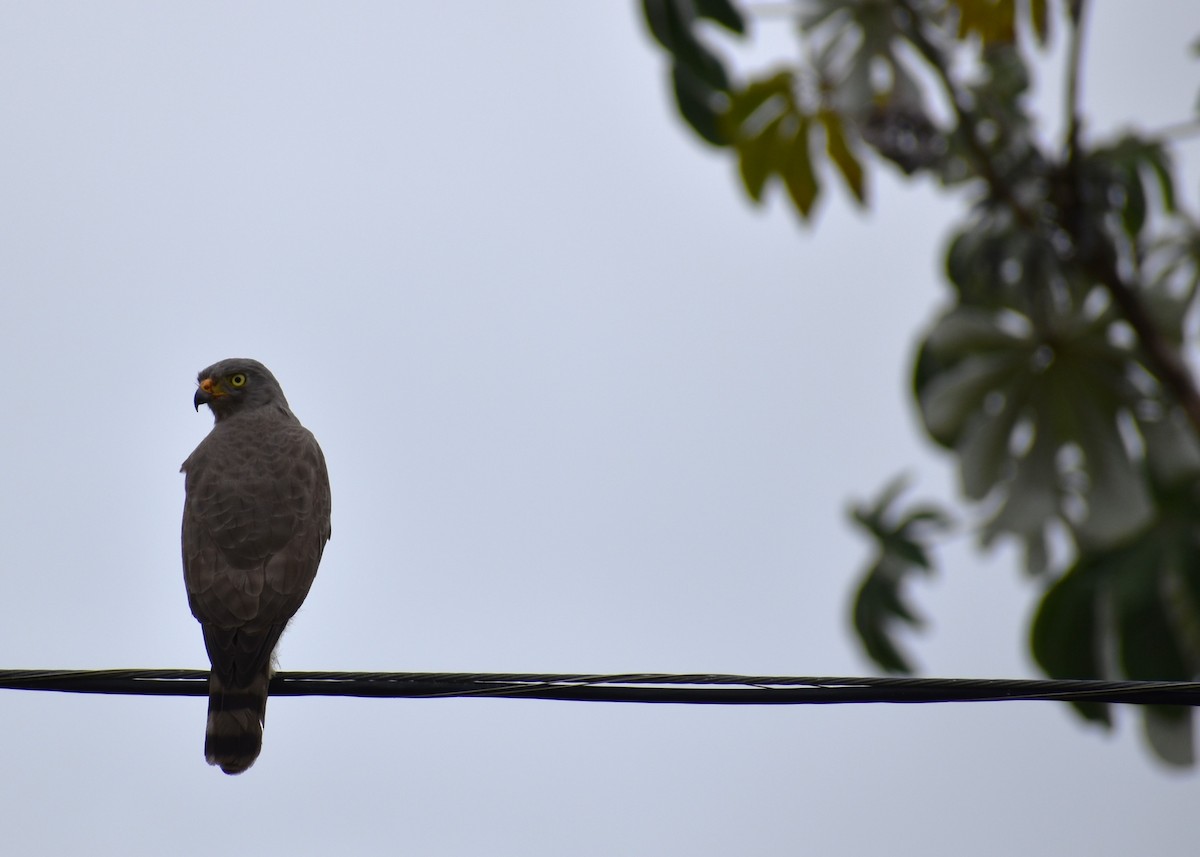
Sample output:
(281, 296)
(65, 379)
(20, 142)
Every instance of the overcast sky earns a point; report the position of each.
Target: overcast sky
(584, 410)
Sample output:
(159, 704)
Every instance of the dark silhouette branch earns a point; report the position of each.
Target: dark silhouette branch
(1074, 68)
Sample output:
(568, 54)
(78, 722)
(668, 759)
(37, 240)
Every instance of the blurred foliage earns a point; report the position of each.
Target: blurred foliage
(900, 552)
(1053, 375)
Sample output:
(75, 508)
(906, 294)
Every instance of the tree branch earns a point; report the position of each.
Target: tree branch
(1074, 66)
(1161, 358)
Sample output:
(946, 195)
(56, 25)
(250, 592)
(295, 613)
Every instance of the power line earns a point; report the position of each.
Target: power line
(710, 689)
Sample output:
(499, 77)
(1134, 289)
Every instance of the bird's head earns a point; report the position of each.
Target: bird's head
(236, 385)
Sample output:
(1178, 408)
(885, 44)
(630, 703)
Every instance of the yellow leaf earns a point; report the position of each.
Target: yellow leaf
(1040, 20)
(756, 158)
(992, 20)
(842, 155)
(797, 169)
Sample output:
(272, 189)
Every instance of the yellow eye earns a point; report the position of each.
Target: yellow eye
(238, 380)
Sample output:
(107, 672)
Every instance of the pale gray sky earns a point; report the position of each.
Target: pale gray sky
(583, 409)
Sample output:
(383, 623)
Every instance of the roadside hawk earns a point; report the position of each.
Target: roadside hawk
(255, 522)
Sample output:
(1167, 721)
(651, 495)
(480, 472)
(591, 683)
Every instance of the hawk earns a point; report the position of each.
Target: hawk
(255, 522)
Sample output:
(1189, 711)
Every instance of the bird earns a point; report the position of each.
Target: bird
(256, 518)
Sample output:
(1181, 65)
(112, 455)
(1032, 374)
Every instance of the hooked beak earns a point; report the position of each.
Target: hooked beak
(206, 393)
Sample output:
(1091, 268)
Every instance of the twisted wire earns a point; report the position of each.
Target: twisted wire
(690, 688)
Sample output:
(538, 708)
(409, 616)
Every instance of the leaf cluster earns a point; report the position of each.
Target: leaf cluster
(1053, 374)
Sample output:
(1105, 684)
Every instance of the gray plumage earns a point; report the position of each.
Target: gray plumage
(255, 522)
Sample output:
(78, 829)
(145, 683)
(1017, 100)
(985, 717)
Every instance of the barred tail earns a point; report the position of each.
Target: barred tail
(233, 739)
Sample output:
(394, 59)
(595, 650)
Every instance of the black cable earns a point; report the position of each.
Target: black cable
(633, 687)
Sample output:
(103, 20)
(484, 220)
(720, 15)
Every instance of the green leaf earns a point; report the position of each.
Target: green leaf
(927, 515)
(1169, 730)
(874, 516)
(1133, 601)
(964, 266)
(1033, 496)
(1133, 211)
(1149, 648)
(1127, 163)
(1066, 636)
(901, 550)
(701, 62)
(988, 382)
(698, 75)
(1134, 154)
(659, 15)
(1159, 161)
(983, 446)
(723, 12)
(876, 610)
(1172, 448)
(698, 104)
(1182, 592)
(1118, 498)
(949, 400)
(671, 23)
(965, 330)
